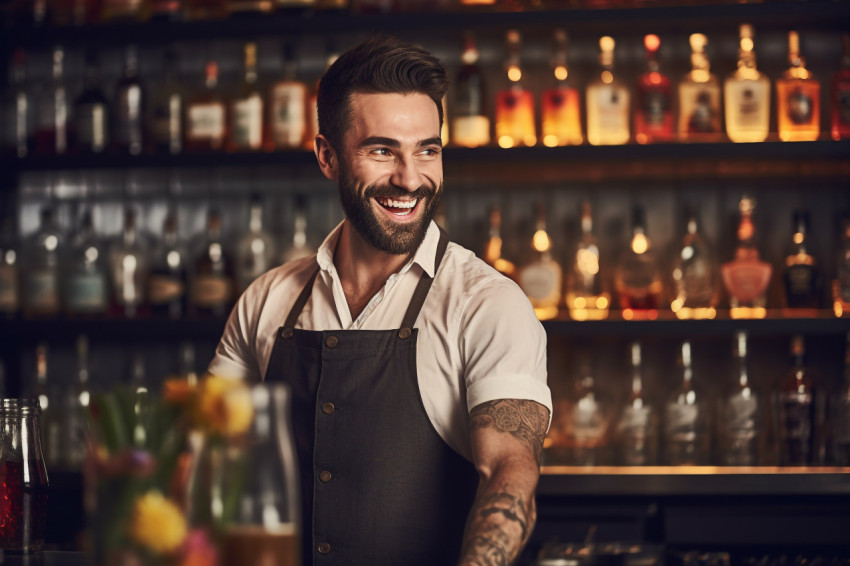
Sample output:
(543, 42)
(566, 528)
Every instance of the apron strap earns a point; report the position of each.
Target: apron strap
(300, 302)
(421, 292)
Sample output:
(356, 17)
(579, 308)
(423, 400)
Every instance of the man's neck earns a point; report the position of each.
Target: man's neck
(362, 268)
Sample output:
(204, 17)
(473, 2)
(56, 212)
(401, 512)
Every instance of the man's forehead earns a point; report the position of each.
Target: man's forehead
(393, 113)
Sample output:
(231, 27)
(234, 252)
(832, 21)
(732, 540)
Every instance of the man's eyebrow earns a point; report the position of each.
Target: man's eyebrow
(389, 142)
(436, 140)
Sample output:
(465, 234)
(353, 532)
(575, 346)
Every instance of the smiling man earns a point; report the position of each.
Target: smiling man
(418, 373)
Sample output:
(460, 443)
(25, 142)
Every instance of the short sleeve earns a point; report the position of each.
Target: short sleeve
(234, 355)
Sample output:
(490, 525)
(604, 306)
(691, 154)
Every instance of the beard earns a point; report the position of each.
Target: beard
(381, 233)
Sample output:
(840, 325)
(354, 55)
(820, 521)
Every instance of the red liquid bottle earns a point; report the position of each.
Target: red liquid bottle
(840, 96)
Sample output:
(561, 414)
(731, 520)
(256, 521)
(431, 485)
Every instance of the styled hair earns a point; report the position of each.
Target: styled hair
(381, 64)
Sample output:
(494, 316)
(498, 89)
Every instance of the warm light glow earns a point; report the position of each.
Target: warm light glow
(587, 262)
(506, 141)
(747, 312)
(747, 43)
(655, 78)
(561, 72)
(641, 138)
(628, 314)
(698, 313)
(530, 140)
(602, 302)
(580, 303)
(640, 243)
(676, 304)
(550, 140)
(607, 77)
(652, 42)
(606, 43)
(504, 266)
(541, 241)
(546, 313)
(798, 238)
(514, 73)
(700, 75)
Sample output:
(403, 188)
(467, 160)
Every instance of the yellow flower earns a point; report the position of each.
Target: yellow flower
(157, 523)
(224, 405)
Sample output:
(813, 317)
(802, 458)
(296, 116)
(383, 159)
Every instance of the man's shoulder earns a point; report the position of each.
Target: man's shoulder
(281, 280)
(465, 272)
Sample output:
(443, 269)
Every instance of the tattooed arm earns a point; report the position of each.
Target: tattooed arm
(507, 439)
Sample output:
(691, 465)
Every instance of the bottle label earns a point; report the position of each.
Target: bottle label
(541, 282)
(206, 122)
(163, 289)
(697, 283)
(796, 422)
(210, 291)
(561, 121)
(700, 109)
(636, 433)
(515, 118)
(167, 126)
(800, 107)
(741, 415)
(86, 292)
(8, 288)
(92, 126)
(470, 131)
(800, 280)
(248, 122)
(129, 127)
(611, 109)
(748, 102)
(746, 280)
(42, 291)
(656, 107)
(288, 109)
(681, 420)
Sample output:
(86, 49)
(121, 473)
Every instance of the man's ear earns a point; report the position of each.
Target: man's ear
(327, 157)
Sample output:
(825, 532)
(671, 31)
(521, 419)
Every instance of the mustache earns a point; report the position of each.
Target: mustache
(389, 191)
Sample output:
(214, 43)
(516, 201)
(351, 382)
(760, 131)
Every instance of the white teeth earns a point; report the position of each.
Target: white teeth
(398, 203)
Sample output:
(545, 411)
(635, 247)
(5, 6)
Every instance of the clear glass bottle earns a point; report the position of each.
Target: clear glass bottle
(699, 97)
(167, 278)
(129, 260)
(801, 277)
(741, 425)
(687, 421)
(247, 124)
(165, 111)
(540, 278)
(694, 276)
(560, 104)
(300, 246)
(587, 297)
(130, 101)
(18, 120)
(841, 283)
(746, 277)
(588, 423)
(91, 111)
(470, 122)
(493, 247)
(653, 116)
(44, 392)
(637, 428)
(515, 125)
(638, 277)
(288, 106)
(840, 413)
(206, 115)
(41, 270)
(86, 280)
(53, 112)
(746, 95)
(256, 250)
(840, 94)
(797, 412)
(211, 283)
(797, 97)
(608, 102)
(10, 271)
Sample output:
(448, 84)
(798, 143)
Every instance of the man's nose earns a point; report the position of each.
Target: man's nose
(406, 175)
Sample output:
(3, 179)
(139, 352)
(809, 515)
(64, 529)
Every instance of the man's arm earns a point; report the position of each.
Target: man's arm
(507, 440)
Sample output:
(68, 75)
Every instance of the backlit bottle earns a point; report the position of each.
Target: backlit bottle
(255, 252)
(130, 262)
(211, 283)
(166, 285)
(206, 115)
(746, 277)
(637, 276)
(637, 427)
(841, 283)
(840, 415)
(839, 98)
(165, 111)
(587, 297)
(86, 284)
(470, 122)
(740, 427)
(493, 248)
(53, 110)
(694, 276)
(540, 277)
(687, 419)
(10, 271)
(801, 276)
(746, 95)
(608, 102)
(91, 111)
(699, 97)
(653, 114)
(797, 98)
(130, 100)
(588, 423)
(560, 106)
(288, 106)
(798, 412)
(247, 123)
(18, 119)
(515, 104)
(41, 282)
(300, 245)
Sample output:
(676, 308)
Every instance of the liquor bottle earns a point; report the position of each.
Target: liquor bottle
(52, 112)
(515, 104)
(141, 395)
(86, 282)
(841, 283)
(561, 121)
(77, 409)
(165, 111)
(797, 412)
(10, 288)
(187, 369)
(246, 132)
(746, 95)
(313, 104)
(206, 115)
(637, 428)
(687, 422)
(211, 280)
(797, 98)
(470, 123)
(300, 246)
(588, 423)
(91, 111)
(694, 276)
(493, 247)
(18, 121)
(167, 278)
(741, 412)
(653, 115)
(287, 107)
(840, 94)
(255, 252)
(129, 260)
(41, 276)
(540, 277)
(44, 391)
(587, 297)
(129, 106)
(638, 277)
(746, 277)
(608, 102)
(699, 96)
(840, 411)
(802, 280)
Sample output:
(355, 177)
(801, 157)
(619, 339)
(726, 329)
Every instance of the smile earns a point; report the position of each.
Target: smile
(398, 207)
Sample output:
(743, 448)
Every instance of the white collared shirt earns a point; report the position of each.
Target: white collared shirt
(479, 339)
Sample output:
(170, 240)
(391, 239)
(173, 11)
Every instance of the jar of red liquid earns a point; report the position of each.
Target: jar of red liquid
(23, 477)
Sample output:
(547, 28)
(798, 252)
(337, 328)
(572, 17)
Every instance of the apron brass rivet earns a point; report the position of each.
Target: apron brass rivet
(328, 408)
(404, 333)
(331, 341)
(286, 333)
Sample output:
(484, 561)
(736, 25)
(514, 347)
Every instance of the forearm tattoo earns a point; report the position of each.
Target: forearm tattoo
(489, 541)
(524, 420)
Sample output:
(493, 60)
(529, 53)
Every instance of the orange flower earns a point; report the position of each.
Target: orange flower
(224, 406)
(178, 390)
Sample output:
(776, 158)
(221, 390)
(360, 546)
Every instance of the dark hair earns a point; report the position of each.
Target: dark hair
(382, 64)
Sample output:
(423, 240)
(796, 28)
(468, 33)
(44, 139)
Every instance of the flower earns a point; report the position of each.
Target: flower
(157, 523)
(224, 406)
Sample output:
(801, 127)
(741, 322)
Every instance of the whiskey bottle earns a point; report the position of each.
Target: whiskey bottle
(91, 111)
(165, 111)
(840, 411)
(167, 279)
(746, 277)
(255, 252)
(797, 412)
(313, 105)
(10, 289)
(653, 115)
(587, 297)
(797, 98)
(694, 276)
(637, 428)
(801, 277)
(493, 248)
(588, 423)
(129, 106)
(540, 277)
(608, 102)
(687, 422)
(746, 95)
(840, 94)
(470, 123)
(741, 410)
(699, 97)
(288, 106)
(841, 283)
(247, 126)
(129, 260)
(300, 246)
(514, 105)
(86, 280)
(52, 112)
(561, 120)
(41, 275)
(206, 115)
(18, 120)
(638, 277)
(211, 283)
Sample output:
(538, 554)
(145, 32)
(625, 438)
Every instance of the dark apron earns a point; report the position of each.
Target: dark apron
(379, 485)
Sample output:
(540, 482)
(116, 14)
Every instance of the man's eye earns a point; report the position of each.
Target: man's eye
(430, 151)
(382, 151)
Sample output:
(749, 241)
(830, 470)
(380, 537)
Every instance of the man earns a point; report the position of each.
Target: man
(407, 356)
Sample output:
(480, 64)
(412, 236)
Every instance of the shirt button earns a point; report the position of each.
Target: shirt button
(331, 341)
(323, 548)
(328, 408)
(325, 476)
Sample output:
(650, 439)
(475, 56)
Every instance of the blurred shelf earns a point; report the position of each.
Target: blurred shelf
(692, 481)
(112, 329)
